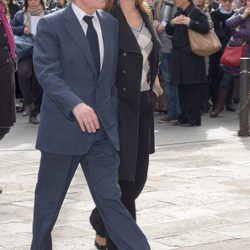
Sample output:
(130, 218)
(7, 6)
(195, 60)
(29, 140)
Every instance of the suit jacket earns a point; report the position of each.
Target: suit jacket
(66, 71)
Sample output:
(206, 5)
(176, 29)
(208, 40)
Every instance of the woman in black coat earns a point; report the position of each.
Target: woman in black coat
(188, 69)
(137, 92)
(7, 71)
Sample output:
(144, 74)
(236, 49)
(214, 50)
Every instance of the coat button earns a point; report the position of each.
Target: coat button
(6, 47)
(124, 54)
(8, 60)
(124, 89)
(4, 34)
(124, 72)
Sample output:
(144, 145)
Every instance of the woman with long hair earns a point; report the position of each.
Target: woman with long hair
(138, 59)
(30, 88)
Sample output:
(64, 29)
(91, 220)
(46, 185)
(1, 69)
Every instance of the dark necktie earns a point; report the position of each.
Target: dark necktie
(93, 41)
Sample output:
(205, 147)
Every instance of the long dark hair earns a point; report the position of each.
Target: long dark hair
(141, 4)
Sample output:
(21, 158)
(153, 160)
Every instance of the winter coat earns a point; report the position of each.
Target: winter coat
(129, 71)
(187, 67)
(7, 82)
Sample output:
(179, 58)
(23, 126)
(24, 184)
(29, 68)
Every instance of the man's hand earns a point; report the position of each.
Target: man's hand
(86, 117)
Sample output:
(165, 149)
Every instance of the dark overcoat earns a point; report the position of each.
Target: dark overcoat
(7, 82)
(188, 68)
(129, 71)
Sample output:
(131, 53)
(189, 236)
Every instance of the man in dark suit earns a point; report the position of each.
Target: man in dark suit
(75, 58)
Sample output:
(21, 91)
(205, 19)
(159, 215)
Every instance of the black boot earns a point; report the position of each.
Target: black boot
(230, 106)
(220, 103)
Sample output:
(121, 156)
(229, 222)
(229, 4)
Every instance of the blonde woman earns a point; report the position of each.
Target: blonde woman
(138, 59)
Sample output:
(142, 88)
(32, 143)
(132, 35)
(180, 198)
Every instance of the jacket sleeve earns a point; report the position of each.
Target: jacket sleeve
(17, 24)
(199, 22)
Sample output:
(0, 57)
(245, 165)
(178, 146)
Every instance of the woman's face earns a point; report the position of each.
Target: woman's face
(248, 4)
(33, 3)
(226, 4)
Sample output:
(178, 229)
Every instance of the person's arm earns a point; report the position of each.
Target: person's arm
(17, 24)
(199, 23)
(157, 87)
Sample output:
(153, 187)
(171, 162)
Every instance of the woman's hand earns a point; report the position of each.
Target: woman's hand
(27, 31)
(181, 20)
(246, 13)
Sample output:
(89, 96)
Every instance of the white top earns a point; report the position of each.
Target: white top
(80, 14)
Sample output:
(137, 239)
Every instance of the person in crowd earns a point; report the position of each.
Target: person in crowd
(188, 69)
(60, 4)
(219, 17)
(212, 5)
(137, 69)
(239, 24)
(13, 8)
(30, 88)
(205, 92)
(7, 72)
(75, 56)
(164, 11)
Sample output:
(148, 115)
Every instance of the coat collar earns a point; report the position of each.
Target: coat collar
(127, 40)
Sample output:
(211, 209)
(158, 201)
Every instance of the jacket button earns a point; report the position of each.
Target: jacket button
(124, 89)
(8, 60)
(6, 47)
(124, 72)
(124, 54)
(4, 34)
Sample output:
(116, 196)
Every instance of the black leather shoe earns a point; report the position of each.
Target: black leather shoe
(100, 247)
(230, 107)
(178, 123)
(191, 125)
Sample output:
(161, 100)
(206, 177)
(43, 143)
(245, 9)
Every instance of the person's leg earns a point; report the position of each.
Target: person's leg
(3, 132)
(24, 72)
(36, 96)
(193, 96)
(225, 84)
(54, 177)
(100, 166)
(182, 118)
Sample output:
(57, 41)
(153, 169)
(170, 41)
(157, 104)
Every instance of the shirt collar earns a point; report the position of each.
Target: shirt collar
(80, 14)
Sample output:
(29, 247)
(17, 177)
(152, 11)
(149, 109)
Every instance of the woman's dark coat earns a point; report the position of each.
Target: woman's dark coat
(129, 73)
(7, 82)
(188, 68)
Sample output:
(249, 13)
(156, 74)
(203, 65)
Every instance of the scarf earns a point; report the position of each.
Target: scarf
(8, 31)
(223, 11)
(39, 11)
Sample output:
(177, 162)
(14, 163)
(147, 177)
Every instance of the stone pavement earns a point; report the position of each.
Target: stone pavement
(197, 196)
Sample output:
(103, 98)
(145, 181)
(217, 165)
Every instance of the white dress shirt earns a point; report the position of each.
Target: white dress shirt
(80, 14)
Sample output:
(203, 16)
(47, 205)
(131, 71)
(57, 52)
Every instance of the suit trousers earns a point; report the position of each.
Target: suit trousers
(100, 166)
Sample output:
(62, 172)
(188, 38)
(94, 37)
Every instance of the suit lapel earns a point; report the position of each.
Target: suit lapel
(75, 30)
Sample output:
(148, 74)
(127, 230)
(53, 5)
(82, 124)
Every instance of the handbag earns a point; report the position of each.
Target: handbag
(204, 44)
(24, 46)
(231, 55)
